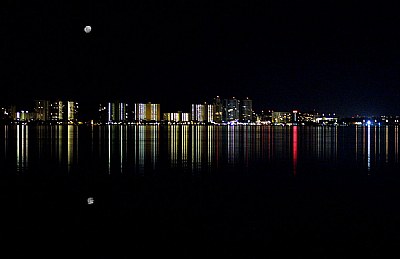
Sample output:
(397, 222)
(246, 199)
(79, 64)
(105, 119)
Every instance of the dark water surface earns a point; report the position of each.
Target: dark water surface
(197, 191)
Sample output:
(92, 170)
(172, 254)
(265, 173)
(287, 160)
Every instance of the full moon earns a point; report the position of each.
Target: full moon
(87, 29)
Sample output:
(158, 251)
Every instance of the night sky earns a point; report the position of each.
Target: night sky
(332, 57)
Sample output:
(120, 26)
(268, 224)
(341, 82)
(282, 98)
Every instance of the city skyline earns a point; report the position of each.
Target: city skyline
(218, 111)
(309, 55)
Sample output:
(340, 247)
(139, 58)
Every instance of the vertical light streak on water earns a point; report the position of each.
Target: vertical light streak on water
(210, 145)
(217, 146)
(18, 149)
(109, 148)
(135, 145)
(387, 144)
(22, 147)
(336, 142)
(294, 146)
(375, 145)
(121, 146)
(269, 140)
(184, 145)
(173, 142)
(199, 140)
(5, 140)
(126, 143)
(60, 142)
(319, 141)
(246, 145)
(70, 146)
(142, 141)
(356, 142)
(379, 143)
(369, 149)
(363, 144)
(100, 140)
(157, 144)
(396, 143)
(262, 136)
(229, 158)
(39, 135)
(26, 146)
(76, 144)
(193, 143)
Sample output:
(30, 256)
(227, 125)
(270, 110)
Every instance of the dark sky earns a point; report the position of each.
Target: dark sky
(327, 55)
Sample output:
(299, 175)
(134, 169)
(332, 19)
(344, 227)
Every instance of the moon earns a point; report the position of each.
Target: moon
(88, 29)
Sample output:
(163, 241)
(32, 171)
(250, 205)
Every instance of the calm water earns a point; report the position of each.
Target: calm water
(188, 191)
(195, 149)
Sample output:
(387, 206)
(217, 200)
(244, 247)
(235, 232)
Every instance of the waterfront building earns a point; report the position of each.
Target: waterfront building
(246, 110)
(146, 112)
(281, 118)
(231, 110)
(42, 110)
(199, 112)
(218, 110)
(113, 112)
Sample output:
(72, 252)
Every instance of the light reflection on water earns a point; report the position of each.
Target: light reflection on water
(137, 148)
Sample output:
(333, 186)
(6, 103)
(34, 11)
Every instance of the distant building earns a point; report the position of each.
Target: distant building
(281, 117)
(23, 116)
(57, 110)
(42, 110)
(8, 113)
(153, 112)
(72, 111)
(295, 117)
(113, 112)
(327, 119)
(246, 110)
(185, 117)
(306, 118)
(231, 110)
(172, 116)
(210, 113)
(146, 112)
(218, 110)
(199, 112)
(176, 117)
(266, 116)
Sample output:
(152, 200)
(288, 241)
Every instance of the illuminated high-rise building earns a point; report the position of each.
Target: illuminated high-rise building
(42, 110)
(231, 110)
(199, 112)
(185, 117)
(281, 117)
(113, 112)
(246, 110)
(139, 112)
(23, 116)
(218, 110)
(57, 110)
(146, 112)
(153, 112)
(72, 111)
(210, 113)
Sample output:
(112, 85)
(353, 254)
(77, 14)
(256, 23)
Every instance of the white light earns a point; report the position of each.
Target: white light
(368, 122)
(90, 200)
(88, 29)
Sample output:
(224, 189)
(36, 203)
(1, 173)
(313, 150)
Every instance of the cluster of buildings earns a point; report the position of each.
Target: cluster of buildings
(120, 112)
(219, 111)
(44, 111)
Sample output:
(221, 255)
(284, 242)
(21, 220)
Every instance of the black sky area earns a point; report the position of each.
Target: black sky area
(326, 55)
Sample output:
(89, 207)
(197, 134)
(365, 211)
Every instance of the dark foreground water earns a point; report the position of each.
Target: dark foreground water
(200, 191)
